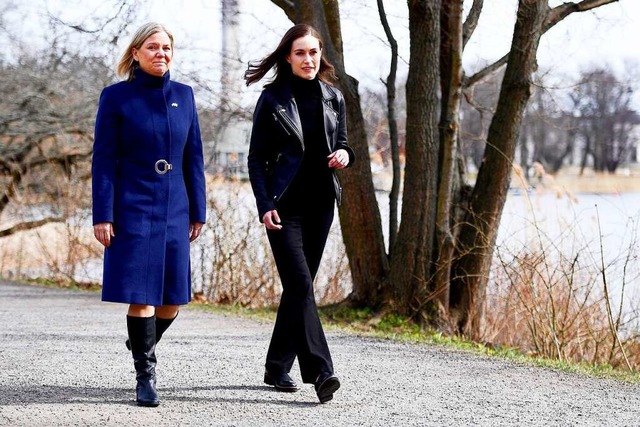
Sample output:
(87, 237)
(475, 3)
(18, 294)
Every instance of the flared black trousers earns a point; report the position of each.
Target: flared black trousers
(297, 249)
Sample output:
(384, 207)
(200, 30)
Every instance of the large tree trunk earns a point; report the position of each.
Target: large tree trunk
(451, 37)
(359, 215)
(411, 260)
(479, 230)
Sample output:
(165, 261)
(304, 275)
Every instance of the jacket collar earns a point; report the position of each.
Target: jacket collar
(327, 91)
(285, 91)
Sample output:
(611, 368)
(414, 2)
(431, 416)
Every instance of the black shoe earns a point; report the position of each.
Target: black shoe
(282, 382)
(326, 385)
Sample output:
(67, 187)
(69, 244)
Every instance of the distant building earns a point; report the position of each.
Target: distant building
(231, 144)
(231, 149)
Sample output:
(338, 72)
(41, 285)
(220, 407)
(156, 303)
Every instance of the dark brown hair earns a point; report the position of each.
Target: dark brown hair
(278, 58)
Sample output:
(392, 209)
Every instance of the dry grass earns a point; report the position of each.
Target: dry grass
(570, 181)
(231, 261)
(549, 303)
(562, 315)
(234, 261)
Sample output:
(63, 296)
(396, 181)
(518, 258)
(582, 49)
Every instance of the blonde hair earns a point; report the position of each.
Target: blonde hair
(127, 64)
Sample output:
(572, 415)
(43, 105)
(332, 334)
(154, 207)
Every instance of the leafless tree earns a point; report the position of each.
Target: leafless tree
(604, 119)
(46, 129)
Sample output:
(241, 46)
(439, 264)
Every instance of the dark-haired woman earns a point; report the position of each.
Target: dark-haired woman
(299, 139)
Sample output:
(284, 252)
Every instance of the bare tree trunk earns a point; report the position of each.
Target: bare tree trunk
(479, 231)
(359, 215)
(390, 84)
(411, 261)
(451, 91)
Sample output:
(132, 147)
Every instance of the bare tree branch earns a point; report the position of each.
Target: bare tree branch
(485, 72)
(288, 6)
(558, 13)
(29, 225)
(554, 16)
(390, 85)
(471, 22)
(83, 29)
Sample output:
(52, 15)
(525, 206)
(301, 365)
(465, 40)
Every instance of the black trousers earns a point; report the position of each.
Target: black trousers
(297, 249)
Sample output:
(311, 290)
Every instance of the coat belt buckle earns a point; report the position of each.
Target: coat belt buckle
(166, 166)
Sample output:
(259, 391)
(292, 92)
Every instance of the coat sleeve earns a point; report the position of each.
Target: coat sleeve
(342, 130)
(103, 164)
(258, 157)
(193, 169)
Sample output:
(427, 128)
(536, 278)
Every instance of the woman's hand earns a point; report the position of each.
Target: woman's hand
(104, 232)
(194, 230)
(272, 220)
(339, 159)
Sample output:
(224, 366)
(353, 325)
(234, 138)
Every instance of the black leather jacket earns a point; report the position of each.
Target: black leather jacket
(277, 143)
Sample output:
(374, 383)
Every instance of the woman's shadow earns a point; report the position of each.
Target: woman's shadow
(51, 394)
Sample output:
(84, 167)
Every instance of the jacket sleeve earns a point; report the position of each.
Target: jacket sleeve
(259, 156)
(103, 164)
(342, 130)
(193, 170)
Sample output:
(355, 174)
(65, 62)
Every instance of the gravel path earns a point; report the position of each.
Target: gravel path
(63, 363)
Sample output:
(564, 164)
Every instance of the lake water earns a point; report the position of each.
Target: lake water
(597, 229)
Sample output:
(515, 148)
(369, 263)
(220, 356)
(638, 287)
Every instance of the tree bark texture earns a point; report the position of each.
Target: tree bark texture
(451, 40)
(390, 85)
(412, 255)
(479, 231)
(360, 218)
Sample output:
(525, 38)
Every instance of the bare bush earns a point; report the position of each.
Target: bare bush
(557, 305)
(232, 261)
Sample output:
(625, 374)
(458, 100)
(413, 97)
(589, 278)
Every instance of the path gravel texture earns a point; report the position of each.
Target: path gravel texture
(63, 363)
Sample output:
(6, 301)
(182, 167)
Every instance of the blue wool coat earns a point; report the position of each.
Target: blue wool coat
(138, 123)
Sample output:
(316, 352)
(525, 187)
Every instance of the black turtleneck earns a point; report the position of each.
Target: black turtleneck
(313, 182)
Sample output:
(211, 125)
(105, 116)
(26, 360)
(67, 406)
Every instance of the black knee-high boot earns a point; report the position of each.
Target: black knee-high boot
(161, 326)
(142, 336)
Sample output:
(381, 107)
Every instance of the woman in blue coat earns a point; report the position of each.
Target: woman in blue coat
(148, 195)
(298, 140)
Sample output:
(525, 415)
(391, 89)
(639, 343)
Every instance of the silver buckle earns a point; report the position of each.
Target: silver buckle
(166, 166)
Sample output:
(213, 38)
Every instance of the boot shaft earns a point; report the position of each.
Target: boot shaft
(142, 338)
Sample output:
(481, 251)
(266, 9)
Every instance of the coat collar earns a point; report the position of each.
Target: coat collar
(146, 79)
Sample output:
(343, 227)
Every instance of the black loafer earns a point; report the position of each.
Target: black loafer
(326, 385)
(282, 382)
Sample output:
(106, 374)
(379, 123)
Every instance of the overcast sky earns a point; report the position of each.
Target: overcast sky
(609, 35)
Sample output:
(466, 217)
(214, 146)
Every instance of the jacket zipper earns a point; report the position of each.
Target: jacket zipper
(281, 112)
(288, 121)
(327, 107)
(282, 124)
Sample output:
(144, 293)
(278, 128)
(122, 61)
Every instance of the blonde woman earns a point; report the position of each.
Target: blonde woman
(148, 195)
